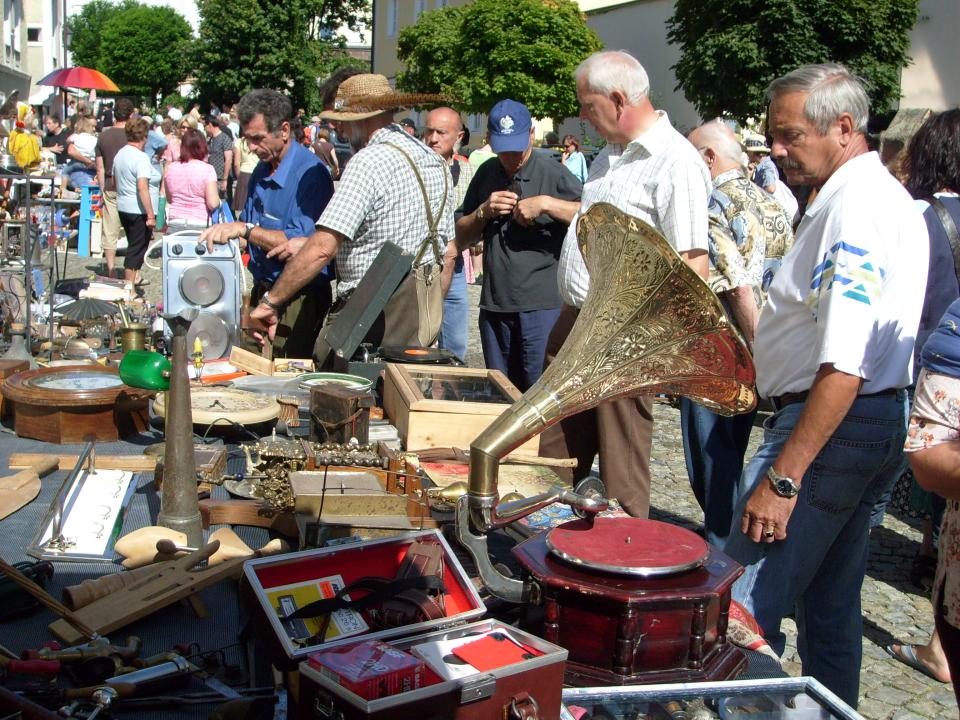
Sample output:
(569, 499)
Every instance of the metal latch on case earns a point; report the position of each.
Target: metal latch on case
(478, 688)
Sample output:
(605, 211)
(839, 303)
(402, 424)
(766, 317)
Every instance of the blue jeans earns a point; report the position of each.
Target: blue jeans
(516, 343)
(817, 571)
(714, 446)
(456, 306)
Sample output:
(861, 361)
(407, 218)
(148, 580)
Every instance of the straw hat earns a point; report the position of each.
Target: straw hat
(365, 95)
(754, 142)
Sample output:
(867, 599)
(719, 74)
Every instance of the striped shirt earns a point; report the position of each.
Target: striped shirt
(659, 178)
(378, 199)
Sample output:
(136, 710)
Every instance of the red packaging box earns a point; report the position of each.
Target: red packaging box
(370, 669)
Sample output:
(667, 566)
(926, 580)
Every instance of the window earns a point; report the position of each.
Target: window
(475, 122)
(419, 6)
(33, 34)
(392, 18)
(441, 3)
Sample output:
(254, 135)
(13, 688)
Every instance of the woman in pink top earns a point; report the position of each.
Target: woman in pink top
(190, 184)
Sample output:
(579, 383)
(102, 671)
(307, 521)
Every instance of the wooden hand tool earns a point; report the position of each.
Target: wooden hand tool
(231, 546)
(21, 488)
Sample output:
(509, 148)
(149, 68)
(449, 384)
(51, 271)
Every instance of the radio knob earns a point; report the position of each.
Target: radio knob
(176, 249)
(201, 249)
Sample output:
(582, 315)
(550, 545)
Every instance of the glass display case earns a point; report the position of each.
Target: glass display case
(800, 698)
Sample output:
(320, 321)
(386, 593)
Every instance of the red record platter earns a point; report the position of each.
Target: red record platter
(628, 546)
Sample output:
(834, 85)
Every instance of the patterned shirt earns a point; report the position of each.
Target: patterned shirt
(850, 290)
(660, 178)
(378, 199)
(217, 147)
(749, 235)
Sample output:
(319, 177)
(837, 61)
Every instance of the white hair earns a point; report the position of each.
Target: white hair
(718, 135)
(609, 71)
(831, 91)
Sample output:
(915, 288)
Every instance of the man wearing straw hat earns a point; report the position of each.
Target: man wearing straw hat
(379, 197)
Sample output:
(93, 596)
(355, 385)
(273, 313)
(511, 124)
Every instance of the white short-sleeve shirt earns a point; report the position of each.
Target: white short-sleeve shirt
(658, 177)
(850, 290)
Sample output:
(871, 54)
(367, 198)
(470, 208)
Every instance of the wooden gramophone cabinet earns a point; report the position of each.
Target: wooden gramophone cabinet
(622, 630)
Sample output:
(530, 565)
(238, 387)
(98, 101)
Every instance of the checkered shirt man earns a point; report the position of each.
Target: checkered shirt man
(378, 199)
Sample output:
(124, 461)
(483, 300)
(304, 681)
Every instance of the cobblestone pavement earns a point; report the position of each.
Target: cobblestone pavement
(894, 611)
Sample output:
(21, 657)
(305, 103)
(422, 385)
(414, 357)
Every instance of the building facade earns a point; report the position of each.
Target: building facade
(13, 73)
(46, 50)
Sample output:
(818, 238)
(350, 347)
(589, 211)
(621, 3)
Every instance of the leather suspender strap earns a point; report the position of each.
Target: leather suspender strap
(377, 589)
(950, 227)
(432, 222)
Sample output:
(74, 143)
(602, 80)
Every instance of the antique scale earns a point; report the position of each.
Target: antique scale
(632, 600)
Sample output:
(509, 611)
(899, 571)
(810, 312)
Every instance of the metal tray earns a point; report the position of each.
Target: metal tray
(616, 703)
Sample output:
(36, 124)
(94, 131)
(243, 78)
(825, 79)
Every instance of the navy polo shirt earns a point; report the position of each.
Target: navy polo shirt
(291, 199)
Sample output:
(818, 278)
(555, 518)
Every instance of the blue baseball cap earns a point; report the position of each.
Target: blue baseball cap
(509, 125)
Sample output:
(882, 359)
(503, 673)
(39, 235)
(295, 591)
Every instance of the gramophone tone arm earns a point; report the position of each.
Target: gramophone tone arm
(498, 515)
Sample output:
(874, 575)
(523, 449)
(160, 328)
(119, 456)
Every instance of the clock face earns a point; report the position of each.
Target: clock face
(77, 380)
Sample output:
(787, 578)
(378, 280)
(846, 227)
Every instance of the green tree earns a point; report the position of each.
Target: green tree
(730, 50)
(146, 50)
(492, 49)
(245, 44)
(84, 28)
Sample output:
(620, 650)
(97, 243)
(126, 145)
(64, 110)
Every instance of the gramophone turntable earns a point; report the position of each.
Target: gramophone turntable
(631, 600)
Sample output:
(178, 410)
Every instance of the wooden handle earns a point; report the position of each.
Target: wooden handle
(30, 475)
(77, 596)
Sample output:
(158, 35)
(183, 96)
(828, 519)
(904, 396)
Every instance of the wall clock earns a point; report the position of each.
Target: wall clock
(69, 403)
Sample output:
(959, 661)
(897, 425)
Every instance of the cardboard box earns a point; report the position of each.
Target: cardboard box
(444, 406)
(370, 669)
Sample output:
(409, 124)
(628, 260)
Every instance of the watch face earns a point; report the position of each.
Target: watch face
(229, 401)
(78, 380)
(787, 488)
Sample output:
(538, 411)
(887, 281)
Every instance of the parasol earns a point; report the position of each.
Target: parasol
(83, 78)
(86, 309)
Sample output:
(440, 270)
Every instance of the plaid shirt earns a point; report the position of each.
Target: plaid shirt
(379, 199)
(660, 178)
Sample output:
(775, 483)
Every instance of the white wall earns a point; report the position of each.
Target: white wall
(640, 29)
(932, 80)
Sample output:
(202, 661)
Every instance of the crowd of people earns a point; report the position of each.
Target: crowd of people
(839, 296)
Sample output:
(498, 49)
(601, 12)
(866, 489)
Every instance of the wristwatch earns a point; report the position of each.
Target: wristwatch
(276, 307)
(246, 233)
(782, 485)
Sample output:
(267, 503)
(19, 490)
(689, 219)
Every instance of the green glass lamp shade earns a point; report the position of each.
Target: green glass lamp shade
(145, 369)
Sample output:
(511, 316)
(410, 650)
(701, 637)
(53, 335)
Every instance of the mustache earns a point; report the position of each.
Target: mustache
(788, 164)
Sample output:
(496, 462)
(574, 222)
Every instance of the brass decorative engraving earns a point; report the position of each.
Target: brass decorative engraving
(649, 324)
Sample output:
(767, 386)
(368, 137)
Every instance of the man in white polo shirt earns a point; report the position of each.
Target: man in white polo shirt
(650, 171)
(833, 353)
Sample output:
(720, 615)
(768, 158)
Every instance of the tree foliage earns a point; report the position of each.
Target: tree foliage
(732, 49)
(146, 50)
(493, 49)
(86, 26)
(246, 44)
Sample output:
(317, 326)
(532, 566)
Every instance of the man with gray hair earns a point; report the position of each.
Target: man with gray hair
(650, 171)
(833, 353)
(749, 235)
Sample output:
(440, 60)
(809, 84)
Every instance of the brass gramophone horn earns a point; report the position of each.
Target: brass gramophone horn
(649, 324)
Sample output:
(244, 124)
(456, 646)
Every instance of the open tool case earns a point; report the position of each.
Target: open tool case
(532, 685)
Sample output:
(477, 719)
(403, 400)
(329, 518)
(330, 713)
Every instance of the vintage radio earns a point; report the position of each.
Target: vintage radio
(275, 588)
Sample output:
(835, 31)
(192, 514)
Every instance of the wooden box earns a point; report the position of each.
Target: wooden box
(265, 577)
(441, 406)
(623, 630)
(534, 685)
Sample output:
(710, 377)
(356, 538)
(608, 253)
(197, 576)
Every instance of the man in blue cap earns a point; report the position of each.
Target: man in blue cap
(519, 204)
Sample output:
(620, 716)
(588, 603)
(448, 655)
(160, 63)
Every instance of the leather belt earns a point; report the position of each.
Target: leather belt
(781, 401)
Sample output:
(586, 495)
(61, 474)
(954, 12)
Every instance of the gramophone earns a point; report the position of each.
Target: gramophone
(632, 600)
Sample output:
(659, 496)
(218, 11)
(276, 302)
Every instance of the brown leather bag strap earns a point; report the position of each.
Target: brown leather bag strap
(433, 222)
(950, 227)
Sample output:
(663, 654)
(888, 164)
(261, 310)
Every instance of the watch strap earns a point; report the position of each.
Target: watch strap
(276, 307)
(247, 231)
